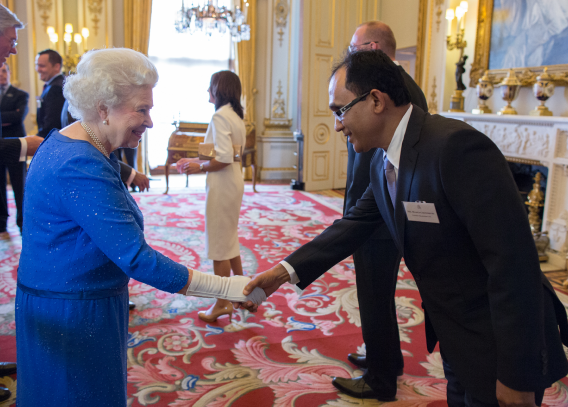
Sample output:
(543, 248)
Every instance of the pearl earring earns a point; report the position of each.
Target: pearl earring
(105, 122)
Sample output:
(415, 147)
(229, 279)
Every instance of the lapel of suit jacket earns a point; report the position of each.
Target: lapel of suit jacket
(408, 159)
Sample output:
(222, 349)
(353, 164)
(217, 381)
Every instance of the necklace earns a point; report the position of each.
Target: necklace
(95, 139)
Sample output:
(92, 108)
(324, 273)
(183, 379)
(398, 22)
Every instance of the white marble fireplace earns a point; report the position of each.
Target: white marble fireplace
(536, 141)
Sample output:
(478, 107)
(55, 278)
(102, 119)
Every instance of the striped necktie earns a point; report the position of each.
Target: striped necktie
(390, 175)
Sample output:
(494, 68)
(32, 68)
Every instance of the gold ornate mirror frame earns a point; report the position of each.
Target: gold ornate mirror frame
(527, 76)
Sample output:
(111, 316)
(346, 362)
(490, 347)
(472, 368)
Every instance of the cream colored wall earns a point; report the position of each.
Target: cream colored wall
(402, 17)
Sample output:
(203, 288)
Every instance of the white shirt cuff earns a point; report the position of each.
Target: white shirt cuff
(130, 178)
(293, 276)
(24, 149)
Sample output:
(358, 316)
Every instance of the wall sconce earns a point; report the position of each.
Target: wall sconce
(70, 60)
(456, 102)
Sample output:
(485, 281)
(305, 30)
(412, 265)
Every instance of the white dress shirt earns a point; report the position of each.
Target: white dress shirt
(24, 149)
(393, 153)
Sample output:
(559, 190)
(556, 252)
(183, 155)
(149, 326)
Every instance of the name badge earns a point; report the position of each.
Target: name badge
(38, 101)
(421, 212)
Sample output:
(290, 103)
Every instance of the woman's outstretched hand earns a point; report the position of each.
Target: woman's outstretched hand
(189, 166)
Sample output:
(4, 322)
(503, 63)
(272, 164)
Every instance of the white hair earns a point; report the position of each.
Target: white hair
(107, 77)
(8, 20)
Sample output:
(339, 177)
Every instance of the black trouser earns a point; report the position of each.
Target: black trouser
(459, 397)
(376, 270)
(17, 173)
(127, 155)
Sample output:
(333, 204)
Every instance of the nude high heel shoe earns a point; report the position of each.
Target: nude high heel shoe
(211, 314)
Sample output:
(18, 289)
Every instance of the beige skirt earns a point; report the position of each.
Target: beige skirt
(225, 190)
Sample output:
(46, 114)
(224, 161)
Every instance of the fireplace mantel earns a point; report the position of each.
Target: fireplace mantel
(538, 141)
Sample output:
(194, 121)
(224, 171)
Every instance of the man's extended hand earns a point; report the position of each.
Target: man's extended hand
(269, 281)
(141, 181)
(33, 144)
(508, 397)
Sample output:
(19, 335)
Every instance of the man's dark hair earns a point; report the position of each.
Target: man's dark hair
(226, 88)
(54, 57)
(368, 70)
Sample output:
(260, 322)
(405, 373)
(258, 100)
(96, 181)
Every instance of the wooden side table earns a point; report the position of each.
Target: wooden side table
(183, 143)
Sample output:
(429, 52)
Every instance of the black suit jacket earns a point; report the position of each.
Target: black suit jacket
(477, 271)
(14, 109)
(49, 111)
(358, 176)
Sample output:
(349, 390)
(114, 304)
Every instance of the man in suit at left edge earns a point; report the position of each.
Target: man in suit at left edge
(13, 108)
(11, 150)
(49, 105)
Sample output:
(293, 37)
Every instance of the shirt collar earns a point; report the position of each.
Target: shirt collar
(52, 79)
(395, 146)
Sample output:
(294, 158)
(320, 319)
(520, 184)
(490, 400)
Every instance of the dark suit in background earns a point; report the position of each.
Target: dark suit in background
(376, 271)
(50, 105)
(13, 108)
(477, 270)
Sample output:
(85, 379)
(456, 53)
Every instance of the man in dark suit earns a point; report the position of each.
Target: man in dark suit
(49, 104)
(11, 150)
(14, 108)
(377, 260)
(447, 196)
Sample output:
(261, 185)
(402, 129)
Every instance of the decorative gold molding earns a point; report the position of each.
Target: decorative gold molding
(321, 133)
(278, 169)
(421, 41)
(439, 11)
(281, 12)
(44, 7)
(527, 76)
(433, 103)
(278, 125)
(12, 61)
(95, 8)
(524, 161)
(279, 105)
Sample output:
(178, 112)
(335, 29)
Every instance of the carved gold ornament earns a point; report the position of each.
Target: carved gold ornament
(279, 105)
(44, 7)
(95, 8)
(281, 11)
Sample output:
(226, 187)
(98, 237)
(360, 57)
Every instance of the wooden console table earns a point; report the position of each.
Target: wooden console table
(184, 142)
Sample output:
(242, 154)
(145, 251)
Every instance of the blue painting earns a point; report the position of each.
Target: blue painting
(528, 33)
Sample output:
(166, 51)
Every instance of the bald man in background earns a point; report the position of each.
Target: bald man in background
(377, 261)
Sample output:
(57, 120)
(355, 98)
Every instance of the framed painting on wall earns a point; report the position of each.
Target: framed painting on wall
(524, 35)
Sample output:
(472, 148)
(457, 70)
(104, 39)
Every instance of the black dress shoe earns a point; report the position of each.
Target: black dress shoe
(358, 360)
(5, 394)
(7, 368)
(131, 305)
(358, 388)
(361, 361)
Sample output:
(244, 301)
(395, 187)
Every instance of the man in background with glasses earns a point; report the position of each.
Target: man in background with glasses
(377, 261)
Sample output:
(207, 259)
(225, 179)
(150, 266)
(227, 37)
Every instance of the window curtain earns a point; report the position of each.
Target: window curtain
(137, 15)
(137, 24)
(246, 70)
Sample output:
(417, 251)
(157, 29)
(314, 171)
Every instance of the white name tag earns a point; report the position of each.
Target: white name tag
(38, 102)
(421, 212)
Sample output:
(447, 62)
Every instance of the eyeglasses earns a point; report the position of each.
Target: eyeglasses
(13, 44)
(340, 113)
(356, 47)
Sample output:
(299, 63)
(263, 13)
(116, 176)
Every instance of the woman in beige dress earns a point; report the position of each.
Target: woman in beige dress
(225, 185)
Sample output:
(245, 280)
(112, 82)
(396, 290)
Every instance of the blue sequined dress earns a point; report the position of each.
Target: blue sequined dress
(82, 240)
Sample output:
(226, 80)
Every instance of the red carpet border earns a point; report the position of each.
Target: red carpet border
(284, 355)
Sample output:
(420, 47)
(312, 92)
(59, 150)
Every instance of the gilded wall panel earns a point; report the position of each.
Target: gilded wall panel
(325, 23)
(320, 165)
(322, 71)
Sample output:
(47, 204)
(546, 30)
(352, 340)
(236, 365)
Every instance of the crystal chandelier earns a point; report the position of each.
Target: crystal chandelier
(210, 18)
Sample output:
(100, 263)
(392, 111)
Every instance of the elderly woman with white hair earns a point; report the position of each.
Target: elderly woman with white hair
(83, 239)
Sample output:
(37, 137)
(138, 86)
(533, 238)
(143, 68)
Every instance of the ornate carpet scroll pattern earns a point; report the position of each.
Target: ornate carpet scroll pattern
(284, 355)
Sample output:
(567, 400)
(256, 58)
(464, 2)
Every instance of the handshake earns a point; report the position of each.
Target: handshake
(240, 290)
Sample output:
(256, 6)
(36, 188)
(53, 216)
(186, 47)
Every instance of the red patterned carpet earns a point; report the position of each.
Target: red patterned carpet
(284, 355)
